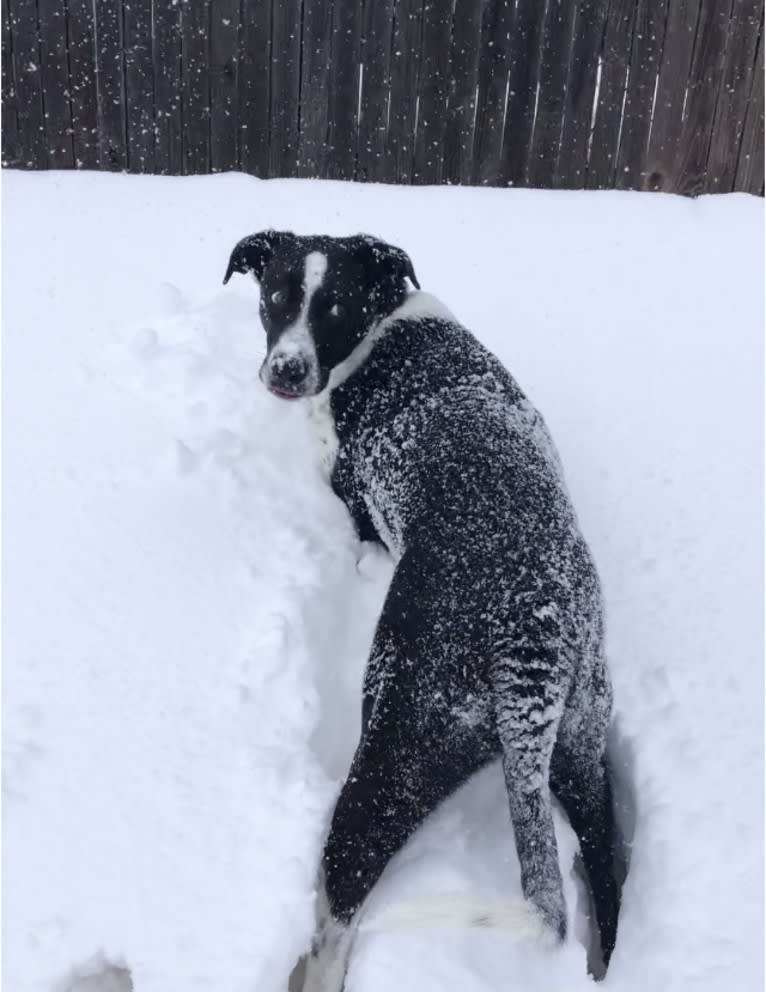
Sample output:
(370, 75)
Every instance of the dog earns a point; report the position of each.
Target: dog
(491, 639)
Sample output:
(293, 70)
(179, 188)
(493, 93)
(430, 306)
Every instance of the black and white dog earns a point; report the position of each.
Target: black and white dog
(491, 639)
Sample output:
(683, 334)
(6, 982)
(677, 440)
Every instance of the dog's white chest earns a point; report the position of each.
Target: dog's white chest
(325, 437)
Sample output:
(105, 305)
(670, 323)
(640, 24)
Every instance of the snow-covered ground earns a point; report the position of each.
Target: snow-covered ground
(187, 610)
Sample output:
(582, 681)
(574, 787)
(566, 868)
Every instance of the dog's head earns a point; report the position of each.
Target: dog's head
(320, 297)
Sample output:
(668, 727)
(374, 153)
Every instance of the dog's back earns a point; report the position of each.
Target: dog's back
(441, 456)
(436, 436)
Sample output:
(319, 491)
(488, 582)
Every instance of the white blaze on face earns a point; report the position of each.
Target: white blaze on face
(313, 273)
(296, 340)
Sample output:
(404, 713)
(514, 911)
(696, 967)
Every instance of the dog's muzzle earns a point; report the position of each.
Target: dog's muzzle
(287, 376)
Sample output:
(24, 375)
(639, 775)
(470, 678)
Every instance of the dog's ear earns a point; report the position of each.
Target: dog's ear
(253, 253)
(383, 259)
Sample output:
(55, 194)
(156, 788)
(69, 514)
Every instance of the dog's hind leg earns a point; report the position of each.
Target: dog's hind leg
(529, 683)
(396, 780)
(580, 781)
(406, 763)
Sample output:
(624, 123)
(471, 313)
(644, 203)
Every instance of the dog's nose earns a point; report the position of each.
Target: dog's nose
(288, 371)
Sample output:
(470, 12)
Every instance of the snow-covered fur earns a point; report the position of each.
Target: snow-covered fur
(491, 638)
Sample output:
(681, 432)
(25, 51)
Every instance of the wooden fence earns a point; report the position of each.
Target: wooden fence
(636, 94)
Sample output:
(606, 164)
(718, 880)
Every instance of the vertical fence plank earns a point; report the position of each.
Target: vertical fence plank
(139, 84)
(343, 83)
(28, 89)
(405, 72)
(54, 80)
(286, 17)
(580, 91)
(82, 83)
(522, 91)
(168, 121)
(11, 152)
(314, 91)
(375, 98)
(224, 68)
(113, 152)
(648, 41)
(554, 68)
(704, 81)
(432, 91)
(195, 78)
(662, 153)
(461, 100)
(496, 49)
(615, 58)
(254, 79)
(749, 176)
(736, 85)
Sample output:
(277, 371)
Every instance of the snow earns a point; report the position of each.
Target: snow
(187, 610)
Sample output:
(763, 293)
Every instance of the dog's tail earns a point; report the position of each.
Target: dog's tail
(511, 916)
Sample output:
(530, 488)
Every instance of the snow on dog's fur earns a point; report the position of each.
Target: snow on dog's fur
(495, 603)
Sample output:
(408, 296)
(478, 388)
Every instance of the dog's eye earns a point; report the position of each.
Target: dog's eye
(278, 296)
(336, 310)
